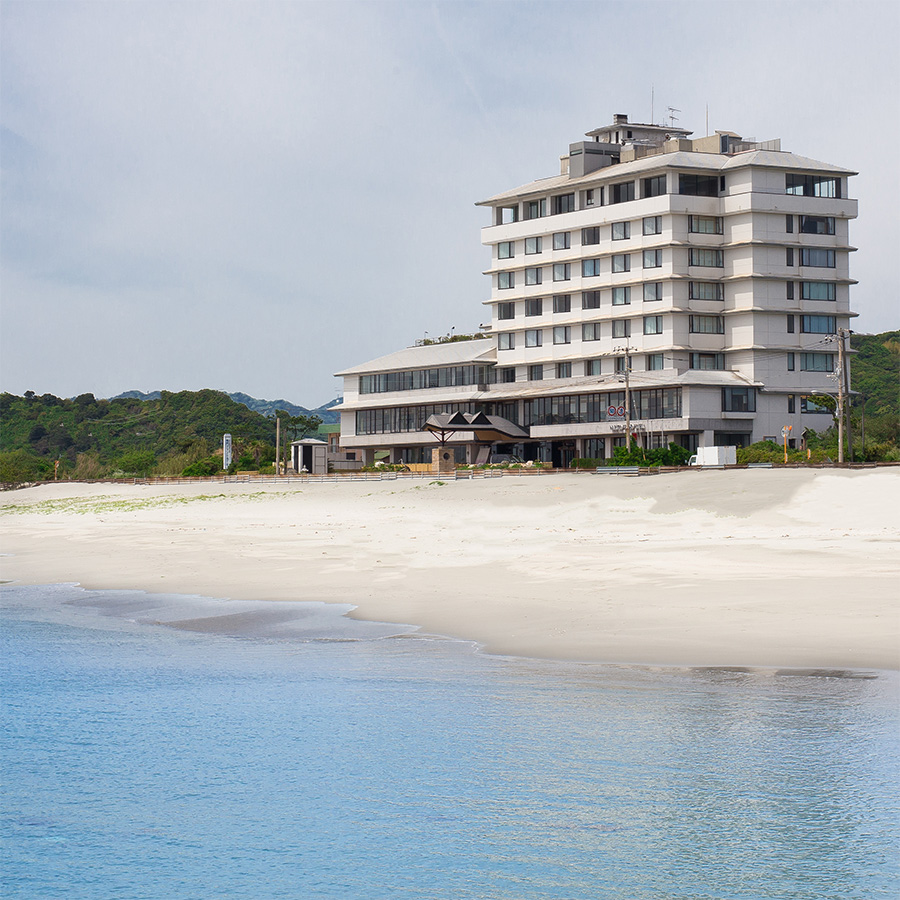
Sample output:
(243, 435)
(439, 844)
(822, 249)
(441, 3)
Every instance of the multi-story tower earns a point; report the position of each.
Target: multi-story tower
(706, 278)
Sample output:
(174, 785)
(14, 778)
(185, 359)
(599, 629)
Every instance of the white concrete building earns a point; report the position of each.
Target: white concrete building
(713, 273)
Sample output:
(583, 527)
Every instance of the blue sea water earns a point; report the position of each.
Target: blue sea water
(290, 752)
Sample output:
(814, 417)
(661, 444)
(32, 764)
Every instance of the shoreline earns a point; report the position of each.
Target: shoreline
(759, 569)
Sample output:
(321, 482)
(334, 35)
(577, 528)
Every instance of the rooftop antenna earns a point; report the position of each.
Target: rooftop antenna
(672, 117)
(651, 105)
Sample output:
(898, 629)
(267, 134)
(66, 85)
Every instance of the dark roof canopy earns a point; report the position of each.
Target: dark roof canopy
(487, 429)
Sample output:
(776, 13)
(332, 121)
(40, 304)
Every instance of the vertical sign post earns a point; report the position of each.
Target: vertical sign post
(226, 451)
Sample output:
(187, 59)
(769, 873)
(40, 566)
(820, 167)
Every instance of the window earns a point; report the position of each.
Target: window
(621, 296)
(738, 399)
(788, 256)
(590, 300)
(564, 370)
(562, 303)
(812, 185)
(534, 306)
(506, 250)
(792, 403)
(621, 328)
(699, 185)
(653, 291)
(620, 365)
(653, 324)
(621, 262)
(506, 280)
(590, 267)
(818, 325)
(590, 331)
(534, 337)
(536, 373)
(533, 275)
(708, 361)
(621, 193)
(563, 203)
(562, 240)
(816, 224)
(535, 209)
(808, 405)
(655, 362)
(592, 367)
(790, 362)
(621, 231)
(562, 334)
(562, 271)
(707, 325)
(590, 236)
(707, 290)
(702, 256)
(508, 375)
(789, 224)
(816, 362)
(532, 246)
(506, 340)
(818, 257)
(653, 225)
(654, 186)
(589, 197)
(652, 259)
(817, 290)
(789, 290)
(790, 324)
(506, 310)
(705, 224)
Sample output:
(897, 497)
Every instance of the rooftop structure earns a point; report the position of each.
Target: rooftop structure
(705, 277)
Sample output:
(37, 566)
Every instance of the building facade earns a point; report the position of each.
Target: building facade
(704, 280)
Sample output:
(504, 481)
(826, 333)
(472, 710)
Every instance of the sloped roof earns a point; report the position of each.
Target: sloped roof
(457, 353)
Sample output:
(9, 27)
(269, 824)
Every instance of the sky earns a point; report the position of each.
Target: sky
(251, 196)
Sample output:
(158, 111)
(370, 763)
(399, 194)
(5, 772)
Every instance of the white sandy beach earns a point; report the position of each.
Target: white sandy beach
(784, 568)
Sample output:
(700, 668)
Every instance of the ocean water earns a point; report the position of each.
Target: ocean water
(241, 751)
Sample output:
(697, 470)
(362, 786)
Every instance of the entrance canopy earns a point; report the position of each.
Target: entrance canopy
(487, 429)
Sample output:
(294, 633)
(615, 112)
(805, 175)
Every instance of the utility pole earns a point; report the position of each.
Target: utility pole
(840, 410)
(627, 399)
(845, 368)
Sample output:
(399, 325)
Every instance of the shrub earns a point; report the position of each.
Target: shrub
(19, 466)
(587, 463)
(136, 462)
(203, 468)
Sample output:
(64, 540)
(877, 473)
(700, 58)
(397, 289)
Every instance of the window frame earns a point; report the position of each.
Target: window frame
(657, 323)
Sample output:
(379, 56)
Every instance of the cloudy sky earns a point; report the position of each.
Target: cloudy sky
(252, 195)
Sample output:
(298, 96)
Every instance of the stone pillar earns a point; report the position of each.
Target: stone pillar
(443, 460)
(707, 439)
(368, 456)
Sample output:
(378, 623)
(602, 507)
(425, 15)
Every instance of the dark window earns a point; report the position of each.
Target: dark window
(699, 185)
(792, 403)
(532, 245)
(507, 375)
(789, 290)
(788, 256)
(535, 373)
(790, 362)
(707, 290)
(563, 203)
(653, 225)
(534, 306)
(621, 262)
(562, 240)
(562, 303)
(590, 236)
(817, 290)
(790, 324)
(816, 224)
(593, 367)
(506, 250)
(621, 193)
(818, 325)
(562, 271)
(590, 331)
(707, 325)
(621, 231)
(534, 337)
(621, 328)
(704, 256)
(816, 362)
(653, 290)
(621, 296)
(590, 300)
(712, 361)
(738, 399)
(654, 186)
(535, 209)
(808, 405)
(562, 334)
(564, 370)
(653, 324)
(812, 185)
(817, 257)
(506, 340)
(506, 310)
(590, 267)
(533, 275)
(655, 362)
(652, 259)
(506, 280)
(705, 224)
(789, 224)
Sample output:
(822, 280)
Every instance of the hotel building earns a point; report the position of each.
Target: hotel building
(707, 278)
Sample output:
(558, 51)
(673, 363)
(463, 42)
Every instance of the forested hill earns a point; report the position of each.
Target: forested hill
(91, 436)
(266, 407)
(875, 369)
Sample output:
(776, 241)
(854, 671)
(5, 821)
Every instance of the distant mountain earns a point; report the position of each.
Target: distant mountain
(265, 407)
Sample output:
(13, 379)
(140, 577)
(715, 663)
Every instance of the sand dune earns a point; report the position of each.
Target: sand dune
(744, 568)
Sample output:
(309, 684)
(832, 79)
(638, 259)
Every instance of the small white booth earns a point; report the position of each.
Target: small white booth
(310, 455)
